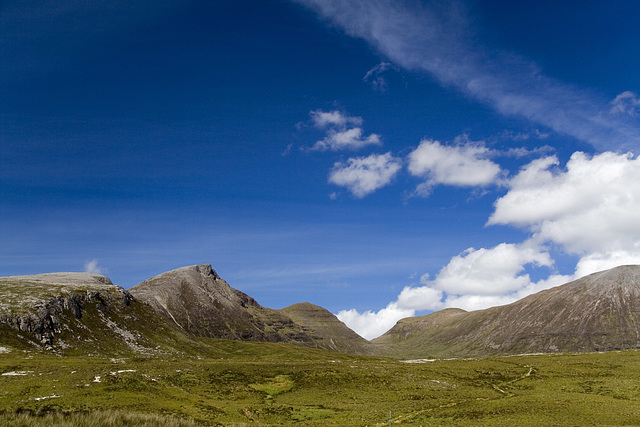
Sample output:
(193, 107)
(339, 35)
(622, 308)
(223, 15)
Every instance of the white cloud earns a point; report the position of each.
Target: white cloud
(370, 324)
(462, 165)
(337, 119)
(494, 271)
(420, 298)
(349, 139)
(473, 280)
(626, 103)
(437, 38)
(595, 262)
(364, 175)
(375, 76)
(344, 132)
(93, 267)
(591, 206)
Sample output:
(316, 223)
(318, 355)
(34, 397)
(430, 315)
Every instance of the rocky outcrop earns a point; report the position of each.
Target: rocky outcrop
(47, 301)
(48, 317)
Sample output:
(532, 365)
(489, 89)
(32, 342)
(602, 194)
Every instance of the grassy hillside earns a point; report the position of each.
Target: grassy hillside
(328, 331)
(240, 383)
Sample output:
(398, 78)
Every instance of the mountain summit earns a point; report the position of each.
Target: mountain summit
(197, 300)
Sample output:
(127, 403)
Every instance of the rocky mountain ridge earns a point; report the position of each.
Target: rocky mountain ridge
(174, 309)
(180, 310)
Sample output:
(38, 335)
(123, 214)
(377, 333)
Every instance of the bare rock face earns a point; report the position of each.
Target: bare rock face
(41, 305)
(596, 313)
(204, 305)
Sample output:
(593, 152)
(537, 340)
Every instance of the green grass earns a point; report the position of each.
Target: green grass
(239, 383)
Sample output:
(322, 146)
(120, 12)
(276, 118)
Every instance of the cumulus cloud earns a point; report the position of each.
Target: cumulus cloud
(344, 132)
(594, 262)
(494, 271)
(473, 280)
(437, 38)
(93, 267)
(371, 324)
(364, 175)
(462, 165)
(328, 119)
(589, 207)
(349, 139)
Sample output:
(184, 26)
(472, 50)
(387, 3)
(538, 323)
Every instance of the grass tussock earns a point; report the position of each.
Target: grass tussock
(93, 419)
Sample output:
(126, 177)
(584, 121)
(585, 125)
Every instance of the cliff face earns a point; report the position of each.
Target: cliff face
(75, 313)
(42, 304)
(598, 312)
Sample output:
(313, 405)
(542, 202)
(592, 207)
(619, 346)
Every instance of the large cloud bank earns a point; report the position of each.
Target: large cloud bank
(588, 208)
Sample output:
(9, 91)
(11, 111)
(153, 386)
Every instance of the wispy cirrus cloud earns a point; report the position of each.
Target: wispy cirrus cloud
(438, 39)
(626, 103)
(376, 76)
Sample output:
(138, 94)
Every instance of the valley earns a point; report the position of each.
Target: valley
(186, 349)
(240, 383)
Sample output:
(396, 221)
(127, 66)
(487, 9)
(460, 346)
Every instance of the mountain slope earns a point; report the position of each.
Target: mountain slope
(79, 313)
(331, 332)
(197, 300)
(598, 312)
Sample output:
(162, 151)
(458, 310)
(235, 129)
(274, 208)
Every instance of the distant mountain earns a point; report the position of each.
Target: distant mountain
(598, 312)
(331, 332)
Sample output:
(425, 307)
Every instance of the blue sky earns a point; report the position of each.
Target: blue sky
(379, 158)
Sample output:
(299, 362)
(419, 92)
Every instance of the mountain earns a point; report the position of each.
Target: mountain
(334, 334)
(176, 311)
(197, 300)
(79, 313)
(596, 313)
(181, 310)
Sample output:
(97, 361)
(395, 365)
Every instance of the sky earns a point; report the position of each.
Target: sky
(382, 159)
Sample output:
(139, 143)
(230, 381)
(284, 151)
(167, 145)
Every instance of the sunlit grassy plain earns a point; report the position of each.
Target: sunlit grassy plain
(240, 383)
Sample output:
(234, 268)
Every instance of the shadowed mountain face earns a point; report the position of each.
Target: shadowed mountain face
(197, 300)
(595, 313)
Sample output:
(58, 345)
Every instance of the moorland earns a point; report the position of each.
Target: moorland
(186, 349)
